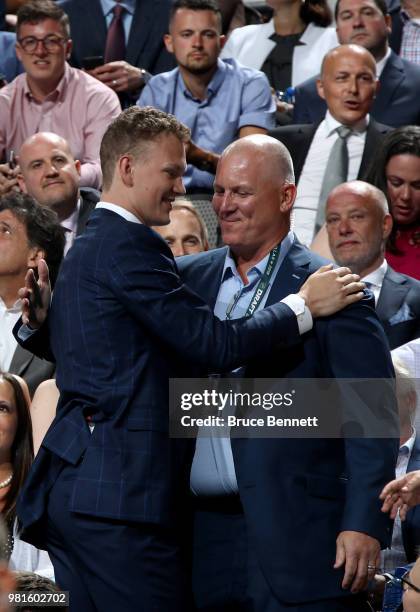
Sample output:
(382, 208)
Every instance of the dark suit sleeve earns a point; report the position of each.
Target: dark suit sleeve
(301, 112)
(149, 287)
(38, 343)
(356, 347)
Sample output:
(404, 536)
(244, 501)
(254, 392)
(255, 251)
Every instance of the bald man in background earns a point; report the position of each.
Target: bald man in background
(186, 232)
(358, 224)
(50, 174)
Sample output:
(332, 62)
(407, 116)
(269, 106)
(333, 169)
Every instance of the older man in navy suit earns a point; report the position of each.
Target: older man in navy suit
(283, 524)
(106, 489)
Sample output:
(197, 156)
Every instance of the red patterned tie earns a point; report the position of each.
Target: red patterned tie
(115, 40)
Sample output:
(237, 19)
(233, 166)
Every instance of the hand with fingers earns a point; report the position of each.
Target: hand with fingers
(36, 296)
(401, 494)
(330, 289)
(359, 554)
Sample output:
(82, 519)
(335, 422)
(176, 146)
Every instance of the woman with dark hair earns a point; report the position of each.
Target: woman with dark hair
(396, 171)
(16, 455)
(290, 47)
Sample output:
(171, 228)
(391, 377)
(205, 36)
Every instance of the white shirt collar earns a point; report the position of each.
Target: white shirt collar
(119, 210)
(17, 306)
(381, 64)
(71, 222)
(410, 442)
(332, 124)
(376, 277)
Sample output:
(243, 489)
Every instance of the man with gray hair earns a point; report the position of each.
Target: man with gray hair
(282, 524)
(358, 224)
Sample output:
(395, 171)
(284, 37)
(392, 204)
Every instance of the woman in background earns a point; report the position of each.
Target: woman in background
(290, 47)
(396, 171)
(16, 456)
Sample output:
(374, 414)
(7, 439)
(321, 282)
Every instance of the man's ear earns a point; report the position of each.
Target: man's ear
(387, 226)
(21, 183)
(222, 41)
(320, 88)
(78, 166)
(125, 170)
(288, 196)
(69, 48)
(388, 21)
(167, 39)
(35, 254)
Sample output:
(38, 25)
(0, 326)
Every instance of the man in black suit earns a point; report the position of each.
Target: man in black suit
(348, 85)
(50, 174)
(358, 225)
(367, 23)
(144, 24)
(28, 232)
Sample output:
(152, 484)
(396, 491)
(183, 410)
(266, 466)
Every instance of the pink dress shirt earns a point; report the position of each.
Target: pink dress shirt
(79, 109)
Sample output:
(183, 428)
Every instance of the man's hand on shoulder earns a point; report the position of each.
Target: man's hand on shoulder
(359, 554)
(328, 290)
(36, 296)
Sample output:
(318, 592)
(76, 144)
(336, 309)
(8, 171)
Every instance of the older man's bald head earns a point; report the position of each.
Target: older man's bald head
(271, 155)
(49, 172)
(358, 225)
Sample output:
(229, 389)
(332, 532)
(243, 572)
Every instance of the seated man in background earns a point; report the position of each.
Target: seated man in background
(218, 100)
(185, 233)
(358, 225)
(367, 23)
(125, 36)
(52, 96)
(50, 174)
(341, 147)
(28, 232)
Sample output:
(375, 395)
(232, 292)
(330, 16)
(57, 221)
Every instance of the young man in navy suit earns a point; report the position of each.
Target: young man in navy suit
(108, 486)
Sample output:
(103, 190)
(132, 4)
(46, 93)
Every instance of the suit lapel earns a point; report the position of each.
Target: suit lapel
(91, 13)
(20, 361)
(208, 275)
(369, 151)
(303, 142)
(86, 207)
(292, 274)
(392, 295)
(390, 80)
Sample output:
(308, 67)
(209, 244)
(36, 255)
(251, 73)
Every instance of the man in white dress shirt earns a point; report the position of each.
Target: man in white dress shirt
(348, 84)
(358, 225)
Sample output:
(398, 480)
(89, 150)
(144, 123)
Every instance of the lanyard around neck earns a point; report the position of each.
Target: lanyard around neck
(261, 288)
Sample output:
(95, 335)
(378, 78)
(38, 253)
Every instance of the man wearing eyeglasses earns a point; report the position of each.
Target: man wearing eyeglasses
(51, 96)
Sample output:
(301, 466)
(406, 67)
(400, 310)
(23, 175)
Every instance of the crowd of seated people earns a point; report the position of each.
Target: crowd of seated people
(351, 124)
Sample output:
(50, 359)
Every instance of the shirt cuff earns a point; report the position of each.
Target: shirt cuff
(25, 332)
(302, 312)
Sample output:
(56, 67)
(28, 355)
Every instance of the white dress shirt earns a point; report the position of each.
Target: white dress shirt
(395, 555)
(8, 318)
(310, 182)
(70, 224)
(375, 280)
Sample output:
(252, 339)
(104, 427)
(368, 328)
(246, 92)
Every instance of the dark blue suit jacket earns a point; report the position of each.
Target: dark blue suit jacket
(299, 494)
(397, 102)
(145, 48)
(398, 308)
(121, 323)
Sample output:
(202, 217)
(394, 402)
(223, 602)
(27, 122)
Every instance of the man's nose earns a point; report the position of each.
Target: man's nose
(344, 227)
(197, 40)
(179, 187)
(51, 170)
